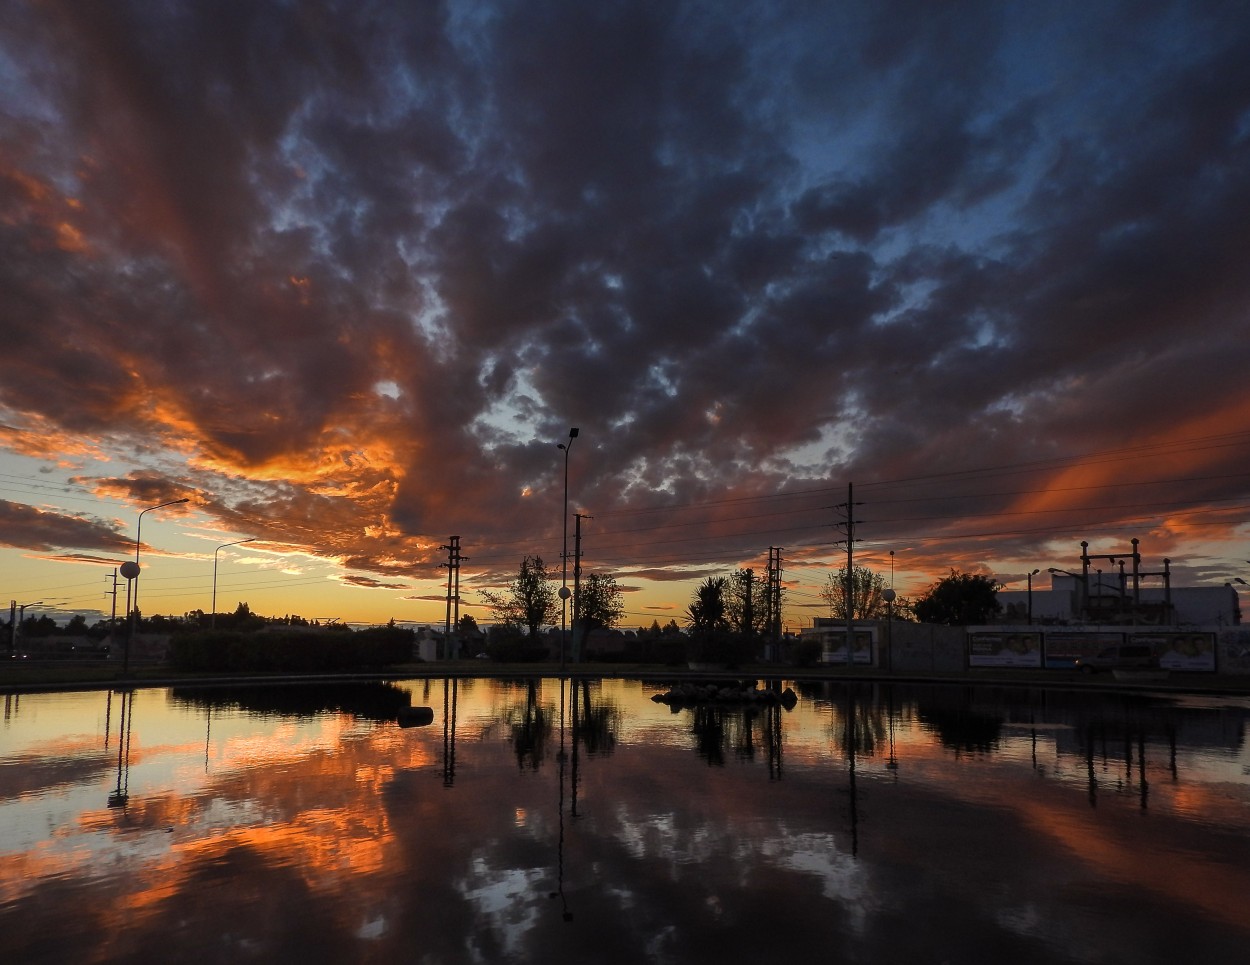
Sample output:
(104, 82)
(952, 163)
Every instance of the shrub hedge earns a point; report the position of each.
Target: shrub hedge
(291, 650)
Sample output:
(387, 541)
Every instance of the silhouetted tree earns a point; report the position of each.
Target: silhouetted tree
(706, 614)
(961, 599)
(867, 594)
(40, 626)
(599, 602)
(529, 600)
(746, 603)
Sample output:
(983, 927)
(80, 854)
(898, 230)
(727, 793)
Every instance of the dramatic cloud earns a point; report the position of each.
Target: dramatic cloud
(345, 273)
(26, 527)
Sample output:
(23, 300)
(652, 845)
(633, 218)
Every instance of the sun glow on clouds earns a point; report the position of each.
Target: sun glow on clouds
(42, 440)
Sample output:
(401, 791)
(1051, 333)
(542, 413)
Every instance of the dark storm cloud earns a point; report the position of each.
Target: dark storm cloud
(379, 257)
(26, 527)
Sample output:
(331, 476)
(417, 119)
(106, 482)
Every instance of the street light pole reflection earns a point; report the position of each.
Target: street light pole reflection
(120, 795)
(560, 759)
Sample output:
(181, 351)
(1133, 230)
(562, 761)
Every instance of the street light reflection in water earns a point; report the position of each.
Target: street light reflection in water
(548, 820)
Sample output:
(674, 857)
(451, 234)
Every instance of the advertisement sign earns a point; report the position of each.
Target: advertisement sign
(1180, 650)
(1062, 649)
(1005, 649)
(833, 647)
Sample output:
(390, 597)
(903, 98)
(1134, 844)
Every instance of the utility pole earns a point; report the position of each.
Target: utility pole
(849, 522)
(774, 595)
(453, 588)
(455, 599)
(113, 594)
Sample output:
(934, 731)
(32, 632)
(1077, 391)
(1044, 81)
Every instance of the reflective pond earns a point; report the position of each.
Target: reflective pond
(548, 821)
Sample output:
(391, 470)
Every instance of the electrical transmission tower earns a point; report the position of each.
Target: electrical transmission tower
(773, 594)
(847, 525)
(454, 560)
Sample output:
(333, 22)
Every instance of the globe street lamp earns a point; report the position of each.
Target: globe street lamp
(213, 618)
(129, 570)
(564, 552)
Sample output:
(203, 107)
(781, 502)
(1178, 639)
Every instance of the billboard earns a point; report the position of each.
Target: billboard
(833, 646)
(1064, 647)
(1004, 649)
(1179, 650)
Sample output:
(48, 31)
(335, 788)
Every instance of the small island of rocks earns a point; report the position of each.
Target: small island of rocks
(690, 694)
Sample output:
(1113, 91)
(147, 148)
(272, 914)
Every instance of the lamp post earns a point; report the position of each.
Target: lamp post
(133, 577)
(15, 621)
(1031, 575)
(139, 532)
(130, 571)
(213, 618)
(564, 551)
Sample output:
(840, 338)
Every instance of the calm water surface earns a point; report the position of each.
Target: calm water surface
(584, 822)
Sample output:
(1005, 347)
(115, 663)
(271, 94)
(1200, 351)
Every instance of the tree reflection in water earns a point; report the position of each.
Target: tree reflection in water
(529, 726)
(717, 727)
(596, 722)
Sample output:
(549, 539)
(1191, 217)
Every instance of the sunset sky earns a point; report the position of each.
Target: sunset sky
(344, 275)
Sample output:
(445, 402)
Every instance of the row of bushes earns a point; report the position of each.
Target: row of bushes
(294, 650)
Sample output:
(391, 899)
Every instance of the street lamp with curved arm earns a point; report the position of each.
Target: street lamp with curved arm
(16, 621)
(1031, 575)
(213, 618)
(134, 580)
(139, 532)
(1082, 586)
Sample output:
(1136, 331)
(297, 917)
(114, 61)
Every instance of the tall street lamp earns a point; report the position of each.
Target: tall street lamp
(213, 618)
(1031, 575)
(134, 577)
(139, 532)
(16, 621)
(564, 552)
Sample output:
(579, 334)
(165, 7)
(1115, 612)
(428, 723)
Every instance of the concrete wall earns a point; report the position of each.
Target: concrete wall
(921, 647)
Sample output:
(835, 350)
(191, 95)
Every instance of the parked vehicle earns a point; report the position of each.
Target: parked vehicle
(1125, 656)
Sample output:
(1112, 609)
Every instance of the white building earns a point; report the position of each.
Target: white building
(1107, 601)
